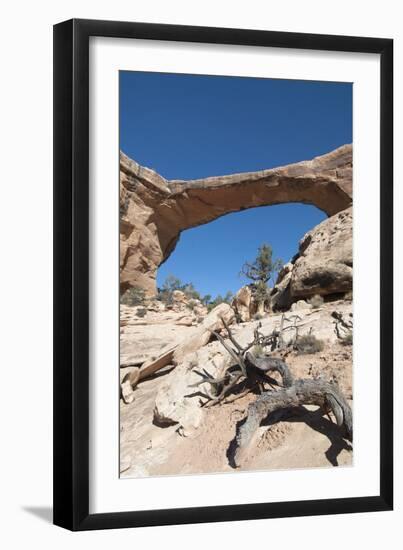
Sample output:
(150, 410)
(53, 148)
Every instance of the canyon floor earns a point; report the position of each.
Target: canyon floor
(166, 431)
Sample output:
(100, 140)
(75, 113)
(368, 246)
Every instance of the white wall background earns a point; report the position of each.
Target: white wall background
(26, 280)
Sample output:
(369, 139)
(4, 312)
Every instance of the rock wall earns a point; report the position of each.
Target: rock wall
(323, 265)
(325, 262)
(154, 210)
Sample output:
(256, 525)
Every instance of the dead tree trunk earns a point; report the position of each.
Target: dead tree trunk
(292, 393)
(300, 392)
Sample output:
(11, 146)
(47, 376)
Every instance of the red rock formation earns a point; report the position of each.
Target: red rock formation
(154, 210)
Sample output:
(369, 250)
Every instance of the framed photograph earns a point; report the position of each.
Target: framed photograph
(223, 320)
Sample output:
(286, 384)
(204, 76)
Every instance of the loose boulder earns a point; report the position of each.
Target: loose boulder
(178, 400)
(242, 304)
(202, 334)
(177, 353)
(280, 298)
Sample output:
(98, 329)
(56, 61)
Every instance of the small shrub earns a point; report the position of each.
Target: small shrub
(141, 312)
(347, 340)
(135, 296)
(258, 351)
(165, 297)
(308, 344)
(190, 291)
(191, 304)
(257, 316)
(316, 301)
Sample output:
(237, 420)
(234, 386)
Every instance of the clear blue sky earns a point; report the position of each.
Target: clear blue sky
(190, 126)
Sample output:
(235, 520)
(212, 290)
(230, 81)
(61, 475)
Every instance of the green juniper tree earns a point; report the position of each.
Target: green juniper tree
(172, 283)
(260, 271)
(219, 299)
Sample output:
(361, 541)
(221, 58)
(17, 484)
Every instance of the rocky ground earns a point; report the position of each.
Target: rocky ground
(165, 430)
(166, 349)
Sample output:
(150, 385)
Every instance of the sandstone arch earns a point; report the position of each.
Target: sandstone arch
(154, 210)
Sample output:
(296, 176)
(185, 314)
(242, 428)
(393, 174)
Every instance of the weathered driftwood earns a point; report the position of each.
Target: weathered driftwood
(293, 393)
(223, 313)
(132, 378)
(245, 367)
(301, 392)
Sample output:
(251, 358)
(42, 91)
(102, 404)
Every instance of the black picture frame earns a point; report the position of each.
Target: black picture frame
(71, 274)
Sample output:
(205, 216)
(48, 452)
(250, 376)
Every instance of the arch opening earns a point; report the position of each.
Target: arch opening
(210, 256)
(155, 211)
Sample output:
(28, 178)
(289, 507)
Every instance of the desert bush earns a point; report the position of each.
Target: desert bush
(258, 350)
(190, 291)
(165, 293)
(257, 316)
(135, 296)
(227, 298)
(172, 283)
(141, 312)
(347, 340)
(308, 344)
(316, 301)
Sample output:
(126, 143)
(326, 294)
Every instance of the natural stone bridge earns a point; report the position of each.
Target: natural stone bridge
(154, 210)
